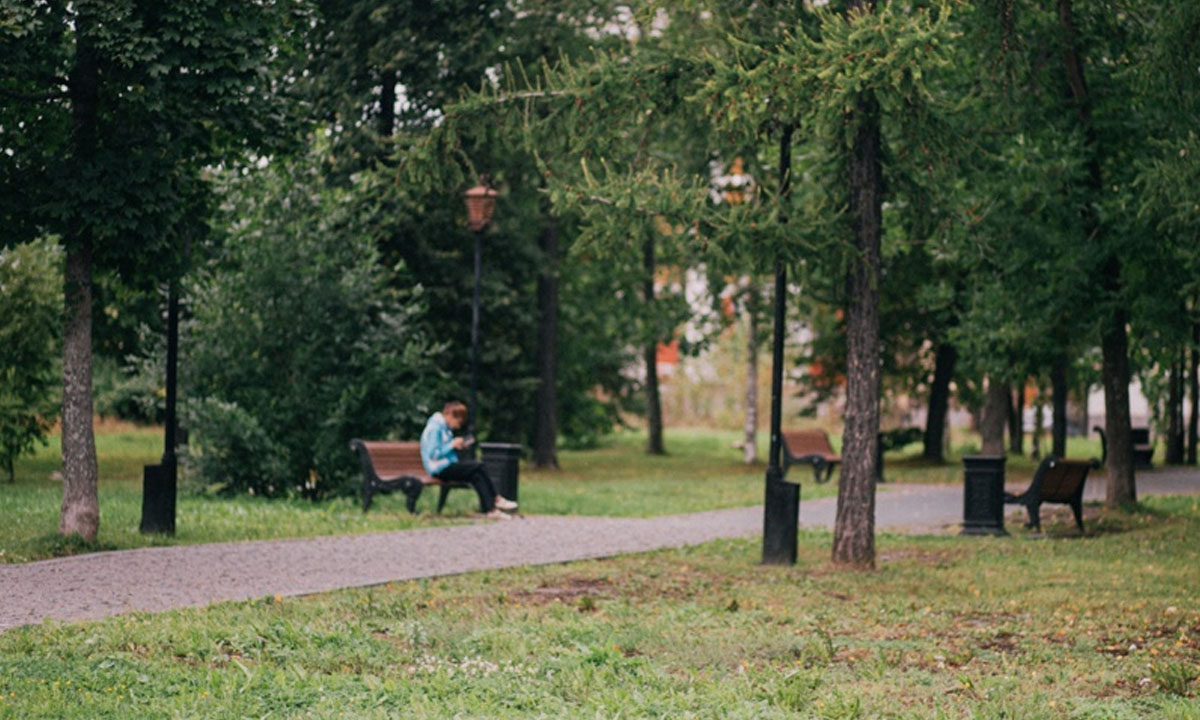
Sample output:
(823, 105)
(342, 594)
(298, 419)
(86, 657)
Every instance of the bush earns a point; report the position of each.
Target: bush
(296, 343)
(30, 319)
(133, 394)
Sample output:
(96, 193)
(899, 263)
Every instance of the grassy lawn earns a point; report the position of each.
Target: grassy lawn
(1059, 628)
(701, 472)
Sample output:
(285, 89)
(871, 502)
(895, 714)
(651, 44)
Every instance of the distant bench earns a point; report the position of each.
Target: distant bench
(391, 466)
(1056, 480)
(810, 447)
(1143, 448)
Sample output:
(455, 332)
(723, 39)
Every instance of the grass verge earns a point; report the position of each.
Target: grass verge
(701, 472)
(1104, 626)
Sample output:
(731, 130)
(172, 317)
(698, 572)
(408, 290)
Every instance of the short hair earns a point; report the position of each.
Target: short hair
(455, 409)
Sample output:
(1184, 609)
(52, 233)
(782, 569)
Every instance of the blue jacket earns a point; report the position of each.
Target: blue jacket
(436, 452)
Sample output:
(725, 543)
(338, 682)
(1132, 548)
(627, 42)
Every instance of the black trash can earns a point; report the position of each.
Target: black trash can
(983, 495)
(503, 463)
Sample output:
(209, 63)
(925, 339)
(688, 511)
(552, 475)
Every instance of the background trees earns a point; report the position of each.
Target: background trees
(30, 297)
(111, 110)
(996, 189)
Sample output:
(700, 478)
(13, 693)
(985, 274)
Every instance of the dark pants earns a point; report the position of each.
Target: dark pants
(476, 475)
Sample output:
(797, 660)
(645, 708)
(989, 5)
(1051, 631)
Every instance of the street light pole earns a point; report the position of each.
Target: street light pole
(159, 482)
(475, 335)
(481, 202)
(781, 504)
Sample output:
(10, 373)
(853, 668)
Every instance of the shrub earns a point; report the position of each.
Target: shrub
(296, 343)
(30, 318)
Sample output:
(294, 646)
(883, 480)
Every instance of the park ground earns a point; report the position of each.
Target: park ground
(1105, 625)
(701, 472)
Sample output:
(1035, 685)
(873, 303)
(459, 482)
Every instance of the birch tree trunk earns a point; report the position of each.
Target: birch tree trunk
(750, 428)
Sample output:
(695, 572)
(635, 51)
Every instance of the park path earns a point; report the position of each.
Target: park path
(94, 586)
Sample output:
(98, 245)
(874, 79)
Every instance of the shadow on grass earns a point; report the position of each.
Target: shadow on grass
(55, 545)
(1098, 521)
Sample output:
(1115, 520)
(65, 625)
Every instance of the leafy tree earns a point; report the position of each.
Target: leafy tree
(30, 282)
(380, 74)
(112, 108)
(747, 92)
(298, 343)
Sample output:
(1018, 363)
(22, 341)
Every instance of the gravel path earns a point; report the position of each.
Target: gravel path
(88, 587)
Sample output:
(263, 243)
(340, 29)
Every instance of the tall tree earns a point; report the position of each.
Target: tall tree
(126, 102)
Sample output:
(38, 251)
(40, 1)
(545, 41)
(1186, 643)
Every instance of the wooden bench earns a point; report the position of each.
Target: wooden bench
(1143, 448)
(391, 466)
(810, 447)
(1056, 480)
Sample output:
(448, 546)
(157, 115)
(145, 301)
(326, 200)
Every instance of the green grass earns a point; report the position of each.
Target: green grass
(701, 472)
(1059, 628)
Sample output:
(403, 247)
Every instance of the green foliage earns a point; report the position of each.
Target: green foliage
(185, 83)
(30, 305)
(297, 343)
(133, 393)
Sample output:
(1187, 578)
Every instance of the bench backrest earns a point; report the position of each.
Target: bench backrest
(1139, 435)
(808, 442)
(1062, 479)
(393, 459)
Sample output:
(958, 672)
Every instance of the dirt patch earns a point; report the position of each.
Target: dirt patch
(568, 592)
(1001, 642)
(932, 558)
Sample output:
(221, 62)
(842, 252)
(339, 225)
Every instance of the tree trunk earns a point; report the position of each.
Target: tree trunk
(1121, 487)
(654, 422)
(1121, 490)
(939, 401)
(545, 421)
(1059, 389)
(1016, 421)
(750, 428)
(387, 105)
(1039, 420)
(995, 417)
(1194, 421)
(1174, 448)
(854, 529)
(80, 513)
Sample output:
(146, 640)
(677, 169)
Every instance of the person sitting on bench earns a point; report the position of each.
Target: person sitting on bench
(439, 455)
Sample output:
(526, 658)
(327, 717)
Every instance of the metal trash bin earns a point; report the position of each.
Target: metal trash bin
(983, 495)
(503, 463)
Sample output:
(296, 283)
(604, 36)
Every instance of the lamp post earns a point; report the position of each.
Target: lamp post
(781, 504)
(481, 201)
(159, 481)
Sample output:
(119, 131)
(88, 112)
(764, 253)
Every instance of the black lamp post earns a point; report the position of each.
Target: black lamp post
(481, 201)
(781, 504)
(159, 481)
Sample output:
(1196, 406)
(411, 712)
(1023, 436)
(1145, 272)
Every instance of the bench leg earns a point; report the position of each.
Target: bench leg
(1035, 516)
(1077, 508)
(412, 493)
(442, 498)
(367, 492)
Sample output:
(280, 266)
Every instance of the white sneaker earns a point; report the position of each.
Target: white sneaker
(505, 504)
(497, 514)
